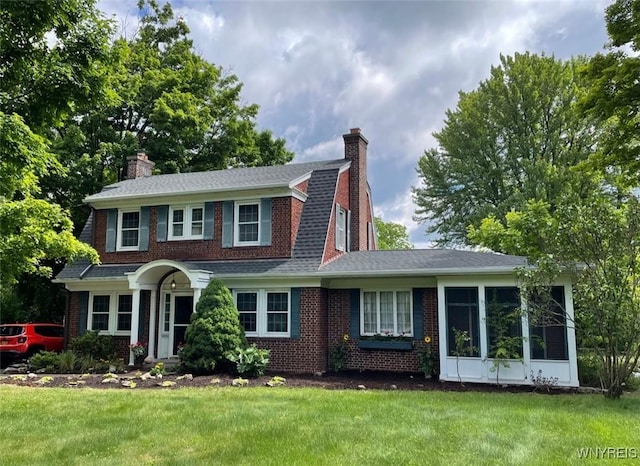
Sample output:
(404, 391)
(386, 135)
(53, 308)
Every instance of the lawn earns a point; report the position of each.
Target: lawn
(281, 426)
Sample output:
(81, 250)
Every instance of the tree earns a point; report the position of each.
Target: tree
(513, 139)
(614, 96)
(165, 99)
(392, 235)
(214, 330)
(31, 229)
(53, 58)
(597, 239)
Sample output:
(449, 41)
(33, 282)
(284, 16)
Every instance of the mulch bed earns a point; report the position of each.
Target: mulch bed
(347, 380)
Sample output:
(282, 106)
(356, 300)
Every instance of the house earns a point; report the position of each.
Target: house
(296, 244)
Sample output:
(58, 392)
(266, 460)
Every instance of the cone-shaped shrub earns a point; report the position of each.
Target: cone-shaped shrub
(214, 330)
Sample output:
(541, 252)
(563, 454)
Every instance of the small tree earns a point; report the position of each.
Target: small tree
(214, 330)
(505, 344)
(463, 347)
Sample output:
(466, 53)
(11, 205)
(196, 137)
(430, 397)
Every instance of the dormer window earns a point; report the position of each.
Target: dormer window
(186, 222)
(129, 231)
(247, 227)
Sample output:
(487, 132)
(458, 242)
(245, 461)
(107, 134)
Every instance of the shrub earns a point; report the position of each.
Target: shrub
(68, 362)
(49, 361)
(251, 361)
(590, 369)
(428, 361)
(94, 345)
(214, 331)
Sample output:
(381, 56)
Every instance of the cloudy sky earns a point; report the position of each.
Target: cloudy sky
(391, 68)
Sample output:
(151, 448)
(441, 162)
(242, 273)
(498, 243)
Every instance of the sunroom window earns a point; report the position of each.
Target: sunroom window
(461, 305)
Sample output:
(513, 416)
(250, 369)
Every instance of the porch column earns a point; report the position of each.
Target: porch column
(196, 297)
(152, 323)
(135, 321)
(526, 340)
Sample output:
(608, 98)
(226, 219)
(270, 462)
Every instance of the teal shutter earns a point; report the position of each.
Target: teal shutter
(354, 313)
(143, 244)
(84, 312)
(162, 212)
(418, 314)
(145, 297)
(209, 216)
(265, 222)
(227, 224)
(112, 225)
(295, 313)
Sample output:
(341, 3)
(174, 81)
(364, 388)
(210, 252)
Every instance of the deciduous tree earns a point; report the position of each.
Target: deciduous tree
(513, 139)
(392, 235)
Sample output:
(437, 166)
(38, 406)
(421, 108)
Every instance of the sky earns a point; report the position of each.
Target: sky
(391, 68)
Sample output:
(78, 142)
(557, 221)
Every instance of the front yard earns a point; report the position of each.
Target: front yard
(281, 425)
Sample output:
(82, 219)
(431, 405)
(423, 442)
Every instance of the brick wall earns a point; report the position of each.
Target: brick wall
(281, 240)
(342, 198)
(308, 354)
(384, 360)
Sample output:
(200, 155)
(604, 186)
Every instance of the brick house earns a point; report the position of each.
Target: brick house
(296, 244)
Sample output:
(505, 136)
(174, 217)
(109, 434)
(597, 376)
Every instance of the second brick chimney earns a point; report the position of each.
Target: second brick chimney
(355, 149)
(139, 166)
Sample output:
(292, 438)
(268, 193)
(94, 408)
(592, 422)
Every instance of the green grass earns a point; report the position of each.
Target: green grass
(283, 426)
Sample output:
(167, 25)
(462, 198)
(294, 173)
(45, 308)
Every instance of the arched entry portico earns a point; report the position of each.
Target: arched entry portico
(175, 289)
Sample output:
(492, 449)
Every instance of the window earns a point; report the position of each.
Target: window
(341, 228)
(100, 313)
(167, 312)
(264, 312)
(462, 315)
(247, 228)
(277, 312)
(186, 222)
(386, 313)
(547, 325)
(502, 305)
(247, 304)
(110, 313)
(125, 303)
(129, 230)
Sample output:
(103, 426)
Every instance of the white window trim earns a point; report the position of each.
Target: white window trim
(395, 309)
(187, 222)
(341, 228)
(112, 328)
(261, 314)
(236, 223)
(119, 246)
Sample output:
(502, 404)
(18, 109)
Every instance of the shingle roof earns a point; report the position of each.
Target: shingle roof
(212, 181)
(427, 261)
(358, 263)
(314, 222)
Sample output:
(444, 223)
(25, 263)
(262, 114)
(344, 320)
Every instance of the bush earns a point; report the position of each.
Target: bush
(49, 361)
(213, 332)
(251, 361)
(590, 370)
(94, 345)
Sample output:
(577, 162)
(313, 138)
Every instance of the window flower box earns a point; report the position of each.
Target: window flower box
(398, 345)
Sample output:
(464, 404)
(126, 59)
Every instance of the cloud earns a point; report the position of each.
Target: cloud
(391, 68)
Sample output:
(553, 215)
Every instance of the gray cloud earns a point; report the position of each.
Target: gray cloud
(391, 68)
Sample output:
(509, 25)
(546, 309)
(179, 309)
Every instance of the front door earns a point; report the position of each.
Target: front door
(182, 317)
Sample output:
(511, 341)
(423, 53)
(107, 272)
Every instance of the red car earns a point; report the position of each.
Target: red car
(19, 341)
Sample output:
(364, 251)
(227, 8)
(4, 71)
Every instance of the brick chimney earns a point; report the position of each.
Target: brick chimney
(355, 149)
(139, 166)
